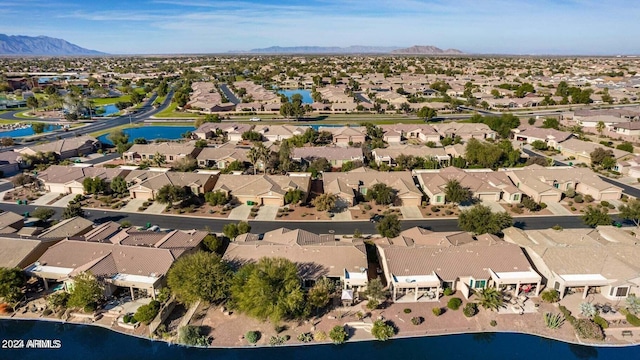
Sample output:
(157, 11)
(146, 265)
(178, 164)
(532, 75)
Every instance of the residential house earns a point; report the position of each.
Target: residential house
(172, 152)
(263, 189)
(346, 135)
(9, 163)
(336, 156)
(631, 128)
(145, 184)
(10, 222)
(465, 131)
(390, 154)
(396, 133)
(547, 184)
(581, 151)
(221, 157)
(64, 148)
(133, 260)
(347, 186)
(601, 260)
(69, 179)
(280, 132)
(211, 130)
(484, 184)
(419, 263)
(20, 252)
(74, 226)
(316, 256)
(551, 137)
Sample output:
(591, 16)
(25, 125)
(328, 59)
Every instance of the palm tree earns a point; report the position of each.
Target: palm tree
(491, 298)
(600, 127)
(159, 159)
(254, 156)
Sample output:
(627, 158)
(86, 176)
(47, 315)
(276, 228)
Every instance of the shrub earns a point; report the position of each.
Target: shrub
(278, 340)
(47, 312)
(633, 319)
(493, 323)
(191, 335)
(338, 334)
(587, 329)
(305, 337)
(146, 313)
(320, 336)
(588, 198)
(605, 203)
(553, 321)
(551, 296)
(437, 311)
(557, 227)
(367, 207)
(407, 311)
(372, 304)
(252, 336)
(382, 331)
(447, 292)
(601, 321)
(578, 199)
(454, 303)
(470, 309)
(435, 209)
(417, 320)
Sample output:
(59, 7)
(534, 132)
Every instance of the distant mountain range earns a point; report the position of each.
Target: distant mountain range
(40, 45)
(356, 49)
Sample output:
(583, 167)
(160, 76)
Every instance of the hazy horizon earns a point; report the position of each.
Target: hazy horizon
(500, 27)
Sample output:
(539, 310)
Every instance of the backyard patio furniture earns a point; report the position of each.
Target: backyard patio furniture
(627, 333)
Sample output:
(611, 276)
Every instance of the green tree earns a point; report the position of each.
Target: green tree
(209, 118)
(199, 276)
(169, 194)
(212, 243)
(599, 155)
(600, 127)
(72, 210)
(269, 289)
(490, 298)
(293, 196)
(389, 226)
(375, 290)
(136, 97)
(119, 185)
(551, 123)
(258, 153)
(230, 230)
(427, 113)
(324, 202)
(625, 146)
(185, 164)
(43, 214)
(86, 292)
(216, 198)
(94, 185)
(382, 331)
(631, 211)
(319, 165)
(319, 295)
(480, 220)
(146, 313)
(243, 227)
(32, 102)
(594, 217)
(338, 334)
(11, 282)
(381, 193)
(159, 159)
(454, 192)
(38, 127)
(539, 145)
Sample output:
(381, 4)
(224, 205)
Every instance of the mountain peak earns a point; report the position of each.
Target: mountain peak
(426, 50)
(40, 45)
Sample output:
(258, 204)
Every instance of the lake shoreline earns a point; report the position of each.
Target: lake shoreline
(259, 346)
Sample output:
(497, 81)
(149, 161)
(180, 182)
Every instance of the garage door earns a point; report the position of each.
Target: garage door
(141, 195)
(271, 201)
(610, 196)
(57, 189)
(487, 197)
(411, 201)
(549, 198)
(76, 190)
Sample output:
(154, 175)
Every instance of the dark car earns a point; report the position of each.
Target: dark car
(376, 218)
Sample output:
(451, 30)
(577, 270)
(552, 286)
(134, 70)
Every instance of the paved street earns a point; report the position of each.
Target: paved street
(320, 227)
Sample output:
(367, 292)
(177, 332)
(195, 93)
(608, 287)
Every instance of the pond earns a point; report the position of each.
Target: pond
(106, 110)
(96, 343)
(26, 131)
(152, 133)
(306, 95)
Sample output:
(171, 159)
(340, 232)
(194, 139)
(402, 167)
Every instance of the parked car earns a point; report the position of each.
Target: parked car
(376, 218)
(255, 119)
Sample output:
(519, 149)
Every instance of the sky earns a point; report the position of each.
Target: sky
(523, 27)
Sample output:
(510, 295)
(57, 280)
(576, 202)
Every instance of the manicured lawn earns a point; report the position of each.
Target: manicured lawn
(160, 99)
(22, 115)
(113, 100)
(170, 112)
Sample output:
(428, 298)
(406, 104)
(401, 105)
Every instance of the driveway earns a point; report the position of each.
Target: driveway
(494, 206)
(344, 215)
(64, 201)
(45, 199)
(155, 208)
(410, 212)
(267, 212)
(241, 212)
(557, 209)
(133, 205)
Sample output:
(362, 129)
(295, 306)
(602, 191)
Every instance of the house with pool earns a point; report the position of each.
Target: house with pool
(419, 264)
(587, 261)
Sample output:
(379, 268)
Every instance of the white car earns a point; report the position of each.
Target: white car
(255, 119)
